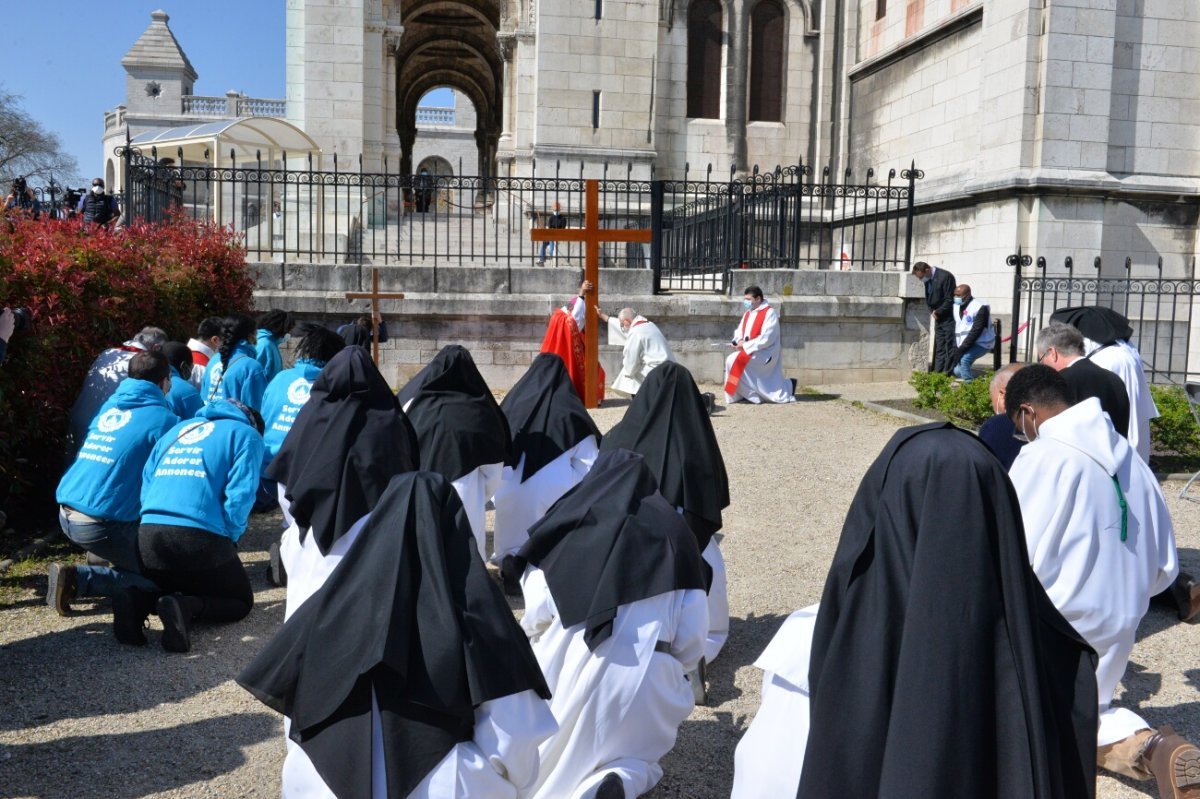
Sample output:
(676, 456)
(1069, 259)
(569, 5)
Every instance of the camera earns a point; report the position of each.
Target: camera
(18, 186)
(22, 319)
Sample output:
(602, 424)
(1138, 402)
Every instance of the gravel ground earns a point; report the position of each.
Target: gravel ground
(82, 716)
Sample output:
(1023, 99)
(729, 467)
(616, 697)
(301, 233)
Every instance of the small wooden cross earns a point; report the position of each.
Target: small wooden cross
(374, 296)
(591, 234)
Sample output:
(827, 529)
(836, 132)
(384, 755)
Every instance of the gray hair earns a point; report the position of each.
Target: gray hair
(1064, 338)
(627, 314)
(152, 338)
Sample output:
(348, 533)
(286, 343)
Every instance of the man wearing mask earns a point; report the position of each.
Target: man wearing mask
(97, 207)
(973, 334)
(754, 372)
(939, 296)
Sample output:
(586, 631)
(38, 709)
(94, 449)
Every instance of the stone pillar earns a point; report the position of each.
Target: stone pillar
(507, 43)
(391, 136)
(738, 66)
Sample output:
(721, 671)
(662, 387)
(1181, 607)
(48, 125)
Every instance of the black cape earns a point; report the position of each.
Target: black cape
(1102, 325)
(668, 425)
(458, 422)
(939, 667)
(609, 541)
(545, 415)
(349, 440)
(411, 613)
(1086, 379)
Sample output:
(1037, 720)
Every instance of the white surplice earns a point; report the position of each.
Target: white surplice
(1070, 506)
(1123, 360)
(500, 761)
(762, 380)
(618, 708)
(520, 504)
(770, 757)
(645, 347)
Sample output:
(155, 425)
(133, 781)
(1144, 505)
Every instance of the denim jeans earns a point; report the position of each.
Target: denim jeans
(116, 542)
(546, 249)
(963, 369)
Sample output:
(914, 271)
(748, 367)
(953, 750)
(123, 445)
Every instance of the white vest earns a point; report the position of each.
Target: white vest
(964, 320)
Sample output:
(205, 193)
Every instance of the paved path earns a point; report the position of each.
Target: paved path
(82, 716)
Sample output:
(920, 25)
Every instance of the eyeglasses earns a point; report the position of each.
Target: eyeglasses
(1044, 355)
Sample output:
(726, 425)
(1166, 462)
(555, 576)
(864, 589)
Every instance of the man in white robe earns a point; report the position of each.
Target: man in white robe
(1122, 359)
(520, 504)
(644, 347)
(755, 371)
(1101, 543)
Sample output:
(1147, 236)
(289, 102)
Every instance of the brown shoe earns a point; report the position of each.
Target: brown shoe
(1186, 594)
(60, 588)
(1175, 764)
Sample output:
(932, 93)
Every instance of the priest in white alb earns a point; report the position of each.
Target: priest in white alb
(754, 372)
(643, 347)
(1101, 542)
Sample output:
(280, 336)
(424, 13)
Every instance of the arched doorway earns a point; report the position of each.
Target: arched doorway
(451, 44)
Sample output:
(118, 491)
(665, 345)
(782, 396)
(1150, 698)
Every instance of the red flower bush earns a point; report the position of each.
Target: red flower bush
(90, 289)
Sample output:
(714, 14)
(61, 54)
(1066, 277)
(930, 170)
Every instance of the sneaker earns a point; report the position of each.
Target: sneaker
(611, 787)
(60, 588)
(276, 573)
(1175, 764)
(177, 633)
(131, 607)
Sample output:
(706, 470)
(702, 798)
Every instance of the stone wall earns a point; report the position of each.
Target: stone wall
(837, 326)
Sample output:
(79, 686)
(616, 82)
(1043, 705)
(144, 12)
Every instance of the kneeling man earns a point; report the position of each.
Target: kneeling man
(645, 347)
(755, 371)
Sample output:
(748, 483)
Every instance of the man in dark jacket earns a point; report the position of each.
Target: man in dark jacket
(939, 296)
(1060, 347)
(97, 207)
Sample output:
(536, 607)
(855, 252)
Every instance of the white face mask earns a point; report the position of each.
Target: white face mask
(747, 304)
(97, 189)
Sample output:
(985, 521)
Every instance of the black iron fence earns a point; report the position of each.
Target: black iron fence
(702, 229)
(1160, 307)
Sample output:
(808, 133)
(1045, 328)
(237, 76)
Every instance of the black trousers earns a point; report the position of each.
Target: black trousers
(943, 346)
(199, 565)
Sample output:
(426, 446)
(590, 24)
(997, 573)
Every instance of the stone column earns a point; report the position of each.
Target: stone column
(507, 43)
(391, 136)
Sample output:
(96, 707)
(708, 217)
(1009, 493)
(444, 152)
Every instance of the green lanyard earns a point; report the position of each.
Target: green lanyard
(1124, 508)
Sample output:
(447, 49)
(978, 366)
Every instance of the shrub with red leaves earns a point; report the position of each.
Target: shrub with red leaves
(89, 289)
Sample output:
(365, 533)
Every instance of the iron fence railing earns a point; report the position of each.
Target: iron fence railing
(1160, 307)
(291, 210)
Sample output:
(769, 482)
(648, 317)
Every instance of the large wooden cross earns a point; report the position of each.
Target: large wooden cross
(374, 296)
(592, 235)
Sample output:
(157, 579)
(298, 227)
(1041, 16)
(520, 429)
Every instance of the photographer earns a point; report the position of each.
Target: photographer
(20, 198)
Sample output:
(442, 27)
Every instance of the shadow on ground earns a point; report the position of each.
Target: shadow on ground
(150, 762)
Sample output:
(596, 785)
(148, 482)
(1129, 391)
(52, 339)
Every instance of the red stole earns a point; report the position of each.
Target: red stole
(565, 340)
(199, 358)
(743, 357)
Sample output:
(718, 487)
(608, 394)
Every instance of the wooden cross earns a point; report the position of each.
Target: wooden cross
(374, 296)
(591, 234)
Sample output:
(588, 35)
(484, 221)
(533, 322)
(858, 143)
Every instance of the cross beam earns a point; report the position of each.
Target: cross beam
(374, 296)
(592, 236)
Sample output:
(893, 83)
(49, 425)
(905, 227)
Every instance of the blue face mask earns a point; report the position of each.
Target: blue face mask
(958, 300)
(747, 304)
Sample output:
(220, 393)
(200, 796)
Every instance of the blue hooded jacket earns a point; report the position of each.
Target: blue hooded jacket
(204, 473)
(183, 398)
(244, 381)
(266, 352)
(105, 481)
(284, 398)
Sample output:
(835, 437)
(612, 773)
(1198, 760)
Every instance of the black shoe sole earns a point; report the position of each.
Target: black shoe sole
(176, 636)
(60, 588)
(127, 625)
(276, 573)
(611, 787)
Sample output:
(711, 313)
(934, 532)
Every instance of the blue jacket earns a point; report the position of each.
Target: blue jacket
(243, 381)
(284, 398)
(183, 397)
(204, 473)
(105, 481)
(266, 352)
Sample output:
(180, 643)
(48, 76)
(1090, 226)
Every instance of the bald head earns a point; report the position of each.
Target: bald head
(963, 292)
(999, 385)
(627, 315)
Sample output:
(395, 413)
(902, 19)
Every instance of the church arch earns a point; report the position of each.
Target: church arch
(705, 51)
(437, 166)
(768, 54)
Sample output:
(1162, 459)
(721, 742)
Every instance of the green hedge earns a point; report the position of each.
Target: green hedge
(966, 404)
(1175, 428)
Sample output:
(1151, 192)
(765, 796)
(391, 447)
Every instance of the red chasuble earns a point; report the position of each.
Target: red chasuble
(743, 357)
(564, 339)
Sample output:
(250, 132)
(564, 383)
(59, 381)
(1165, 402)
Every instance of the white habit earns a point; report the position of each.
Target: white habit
(1070, 506)
(718, 602)
(645, 347)
(770, 757)
(500, 762)
(619, 708)
(762, 380)
(520, 504)
(1123, 360)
